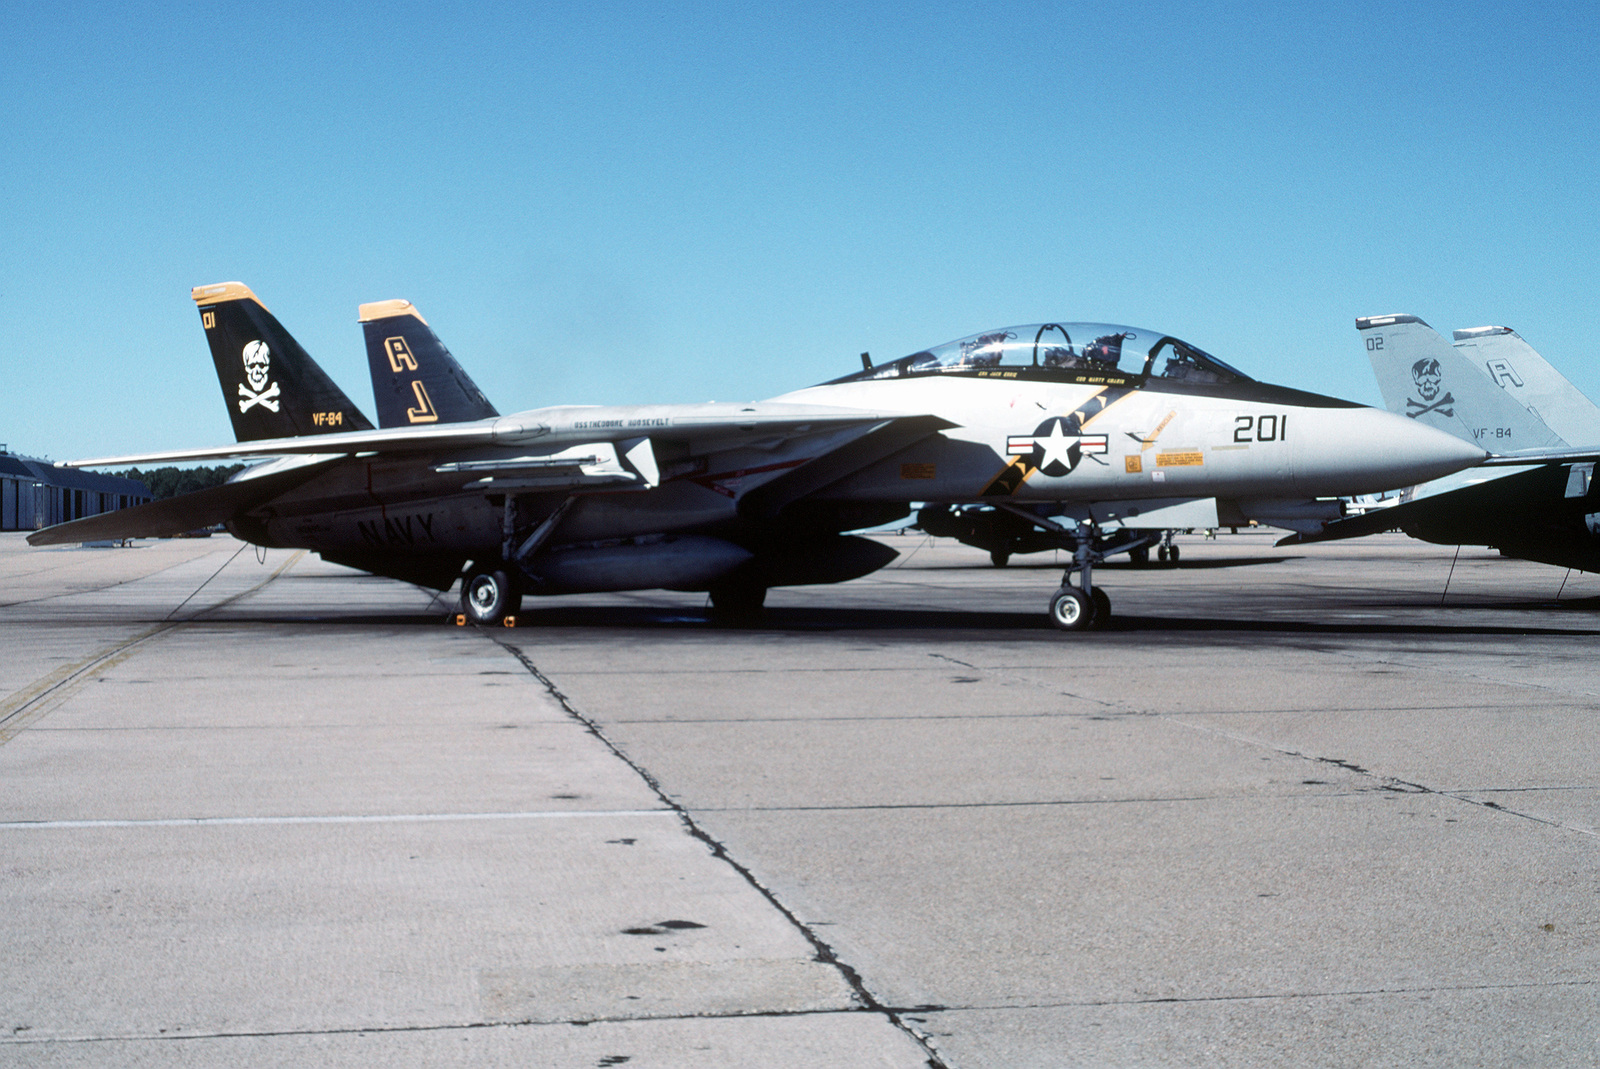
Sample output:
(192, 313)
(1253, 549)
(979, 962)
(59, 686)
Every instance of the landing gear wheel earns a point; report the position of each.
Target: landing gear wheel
(1161, 554)
(999, 557)
(1173, 555)
(1102, 607)
(1071, 609)
(737, 601)
(488, 596)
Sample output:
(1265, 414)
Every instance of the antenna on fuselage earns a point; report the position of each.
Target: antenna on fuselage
(866, 361)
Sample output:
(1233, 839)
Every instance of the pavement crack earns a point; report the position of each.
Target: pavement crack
(1042, 685)
(823, 951)
(19, 1040)
(1255, 996)
(1392, 784)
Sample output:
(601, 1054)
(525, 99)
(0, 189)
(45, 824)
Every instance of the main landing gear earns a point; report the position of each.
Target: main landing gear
(1168, 551)
(1078, 608)
(489, 594)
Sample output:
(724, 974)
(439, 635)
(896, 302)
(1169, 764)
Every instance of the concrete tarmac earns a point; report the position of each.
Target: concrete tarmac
(1293, 806)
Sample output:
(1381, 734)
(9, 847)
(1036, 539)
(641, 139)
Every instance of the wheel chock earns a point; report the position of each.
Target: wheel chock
(461, 619)
(509, 621)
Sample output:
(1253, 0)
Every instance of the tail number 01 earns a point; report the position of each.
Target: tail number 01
(1261, 428)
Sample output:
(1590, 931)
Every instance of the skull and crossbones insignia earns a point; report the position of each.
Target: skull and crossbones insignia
(257, 369)
(1428, 377)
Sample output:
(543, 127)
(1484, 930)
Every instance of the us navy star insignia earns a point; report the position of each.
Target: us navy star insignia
(1053, 449)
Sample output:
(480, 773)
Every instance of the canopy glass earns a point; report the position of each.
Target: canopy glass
(1075, 349)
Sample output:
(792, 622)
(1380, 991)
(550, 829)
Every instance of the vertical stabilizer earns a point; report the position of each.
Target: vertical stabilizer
(1424, 377)
(414, 377)
(272, 387)
(1512, 363)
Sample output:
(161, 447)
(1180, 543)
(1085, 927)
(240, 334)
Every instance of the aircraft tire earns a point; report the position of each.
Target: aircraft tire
(1071, 609)
(1172, 558)
(999, 558)
(1102, 607)
(488, 596)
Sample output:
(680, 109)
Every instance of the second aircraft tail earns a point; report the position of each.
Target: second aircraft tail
(414, 377)
(1518, 369)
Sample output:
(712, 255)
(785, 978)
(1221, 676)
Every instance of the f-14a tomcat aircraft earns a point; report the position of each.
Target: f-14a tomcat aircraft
(1097, 421)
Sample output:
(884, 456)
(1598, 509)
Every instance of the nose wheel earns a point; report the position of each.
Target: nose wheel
(1082, 606)
(1073, 610)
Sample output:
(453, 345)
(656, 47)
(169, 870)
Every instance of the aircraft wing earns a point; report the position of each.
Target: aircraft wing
(1515, 508)
(1542, 456)
(1367, 523)
(187, 512)
(545, 426)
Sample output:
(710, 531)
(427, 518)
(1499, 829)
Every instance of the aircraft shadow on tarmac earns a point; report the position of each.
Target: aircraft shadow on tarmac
(688, 616)
(1123, 566)
(915, 622)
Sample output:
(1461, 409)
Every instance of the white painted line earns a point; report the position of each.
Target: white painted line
(381, 818)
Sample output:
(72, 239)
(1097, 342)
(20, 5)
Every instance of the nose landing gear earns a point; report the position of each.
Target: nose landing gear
(1080, 607)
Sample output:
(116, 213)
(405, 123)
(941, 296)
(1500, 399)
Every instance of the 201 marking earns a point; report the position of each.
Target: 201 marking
(1273, 428)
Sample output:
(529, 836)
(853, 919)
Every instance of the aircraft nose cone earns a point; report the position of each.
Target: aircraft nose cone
(1366, 450)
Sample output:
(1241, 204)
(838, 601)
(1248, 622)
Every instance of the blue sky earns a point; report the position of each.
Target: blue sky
(616, 203)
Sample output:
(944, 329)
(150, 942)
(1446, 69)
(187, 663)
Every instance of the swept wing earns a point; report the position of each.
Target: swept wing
(545, 427)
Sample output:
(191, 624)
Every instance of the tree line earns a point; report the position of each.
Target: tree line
(170, 482)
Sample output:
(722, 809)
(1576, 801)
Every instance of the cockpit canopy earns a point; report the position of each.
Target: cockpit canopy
(1076, 352)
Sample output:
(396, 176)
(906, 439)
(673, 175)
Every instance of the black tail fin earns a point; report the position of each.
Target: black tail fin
(414, 377)
(272, 387)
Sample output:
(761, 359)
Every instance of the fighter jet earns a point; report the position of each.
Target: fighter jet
(1484, 388)
(1092, 420)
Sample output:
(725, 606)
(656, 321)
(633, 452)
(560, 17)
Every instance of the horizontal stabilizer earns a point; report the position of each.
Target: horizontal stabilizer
(176, 515)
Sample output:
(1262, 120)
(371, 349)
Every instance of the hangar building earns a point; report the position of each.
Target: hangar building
(36, 493)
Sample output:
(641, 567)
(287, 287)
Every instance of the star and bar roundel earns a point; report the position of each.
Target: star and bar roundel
(1055, 447)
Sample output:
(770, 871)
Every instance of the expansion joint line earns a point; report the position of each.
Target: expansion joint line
(824, 952)
(27, 705)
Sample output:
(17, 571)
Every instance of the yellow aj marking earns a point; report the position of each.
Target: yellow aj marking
(424, 412)
(400, 358)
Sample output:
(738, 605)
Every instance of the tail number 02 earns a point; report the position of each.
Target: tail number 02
(1261, 428)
